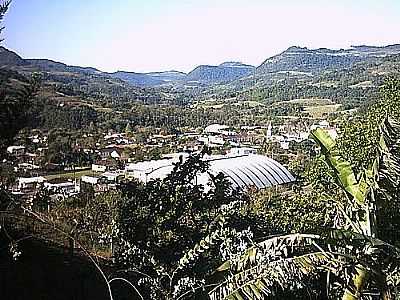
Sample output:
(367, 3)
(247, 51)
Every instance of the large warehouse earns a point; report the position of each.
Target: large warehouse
(243, 171)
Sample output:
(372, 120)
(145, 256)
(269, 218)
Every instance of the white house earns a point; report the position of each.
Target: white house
(90, 179)
(16, 150)
(242, 151)
(30, 183)
(66, 188)
(215, 129)
(99, 168)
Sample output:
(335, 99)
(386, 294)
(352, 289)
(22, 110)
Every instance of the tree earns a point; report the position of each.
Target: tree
(128, 128)
(350, 253)
(14, 104)
(165, 226)
(4, 5)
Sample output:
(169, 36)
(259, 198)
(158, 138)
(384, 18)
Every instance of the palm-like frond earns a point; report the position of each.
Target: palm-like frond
(358, 188)
(269, 250)
(202, 246)
(263, 279)
(344, 174)
(275, 262)
(285, 261)
(389, 162)
(342, 238)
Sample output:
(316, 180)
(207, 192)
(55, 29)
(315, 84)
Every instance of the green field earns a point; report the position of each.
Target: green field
(315, 107)
(320, 111)
(71, 175)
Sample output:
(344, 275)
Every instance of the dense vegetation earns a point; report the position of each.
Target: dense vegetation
(223, 73)
(332, 234)
(170, 235)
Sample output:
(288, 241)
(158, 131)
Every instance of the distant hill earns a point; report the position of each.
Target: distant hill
(168, 76)
(47, 65)
(76, 80)
(225, 72)
(313, 61)
(351, 87)
(9, 58)
(293, 62)
(149, 79)
(137, 79)
(12, 60)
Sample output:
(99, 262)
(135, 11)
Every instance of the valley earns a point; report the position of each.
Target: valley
(228, 181)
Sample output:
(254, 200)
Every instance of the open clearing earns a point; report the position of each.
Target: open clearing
(315, 107)
(320, 111)
(71, 175)
(309, 101)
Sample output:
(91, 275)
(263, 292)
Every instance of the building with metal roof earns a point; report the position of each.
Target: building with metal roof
(243, 171)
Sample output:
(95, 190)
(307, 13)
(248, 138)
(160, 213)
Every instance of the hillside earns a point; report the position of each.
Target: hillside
(339, 75)
(168, 76)
(149, 79)
(137, 79)
(10, 59)
(351, 86)
(314, 61)
(47, 65)
(295, 62)
(85, 82)
(225, 72)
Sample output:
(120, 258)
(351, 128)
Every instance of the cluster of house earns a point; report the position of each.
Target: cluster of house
(114, 163)
(217, 135)
(25, 160)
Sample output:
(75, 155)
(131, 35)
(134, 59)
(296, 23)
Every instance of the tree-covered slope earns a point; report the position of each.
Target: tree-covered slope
(225, 72)
(317, 60)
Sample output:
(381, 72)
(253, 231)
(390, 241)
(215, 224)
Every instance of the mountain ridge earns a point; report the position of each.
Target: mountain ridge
(293, 59)
(303, 59)
(226, 71)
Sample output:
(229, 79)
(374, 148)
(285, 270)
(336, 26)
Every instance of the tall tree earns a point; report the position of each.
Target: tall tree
(358, 254)
(349, 255)
(3, 9)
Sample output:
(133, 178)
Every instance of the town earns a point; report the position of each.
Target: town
(213, 150)
(120, 155)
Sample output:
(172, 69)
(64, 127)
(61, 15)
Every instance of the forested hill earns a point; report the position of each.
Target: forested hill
(225, 72)
(295, 60)
(350, 87)
(313, 61)
(10, 59)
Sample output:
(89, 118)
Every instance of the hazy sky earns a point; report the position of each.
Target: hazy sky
(155, 35)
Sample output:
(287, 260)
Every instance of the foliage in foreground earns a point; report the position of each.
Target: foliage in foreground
(167, 230)
(356, 264)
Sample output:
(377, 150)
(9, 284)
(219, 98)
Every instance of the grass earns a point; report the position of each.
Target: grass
(310, 101)
(320, 111)
(71, 175)
(364, 84)
(315, 107)
(249, 103)
(218, 104)
(99, 108)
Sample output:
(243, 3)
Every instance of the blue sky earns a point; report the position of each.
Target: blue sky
(155, 35)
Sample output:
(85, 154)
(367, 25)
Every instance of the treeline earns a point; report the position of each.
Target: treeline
(46, 115)
(175, 117)
(341, 85)
(349, 97)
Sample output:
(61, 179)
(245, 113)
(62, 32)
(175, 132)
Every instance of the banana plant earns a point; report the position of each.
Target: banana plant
(352, 256)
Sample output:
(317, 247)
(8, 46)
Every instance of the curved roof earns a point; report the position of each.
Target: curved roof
(242, 171)
(215, 128)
